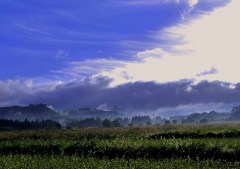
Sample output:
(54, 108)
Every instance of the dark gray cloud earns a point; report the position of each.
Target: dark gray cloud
(130, 97)
(138, 96)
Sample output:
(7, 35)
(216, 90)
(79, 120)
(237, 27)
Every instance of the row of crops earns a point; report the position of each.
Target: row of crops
(227, 149)
(206, 146)
(76, 162)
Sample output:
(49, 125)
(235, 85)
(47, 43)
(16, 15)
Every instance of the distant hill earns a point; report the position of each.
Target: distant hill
(204, 117)
(30, 112)
(45, 112)
(207, 117)
(235, 114)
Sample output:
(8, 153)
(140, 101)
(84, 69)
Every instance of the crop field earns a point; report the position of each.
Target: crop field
(171, 146)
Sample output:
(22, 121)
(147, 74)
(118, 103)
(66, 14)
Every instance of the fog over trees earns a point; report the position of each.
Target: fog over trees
(42, 116)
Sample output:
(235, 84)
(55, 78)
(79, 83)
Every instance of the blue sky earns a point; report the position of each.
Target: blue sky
(46, 45)
(47, 35)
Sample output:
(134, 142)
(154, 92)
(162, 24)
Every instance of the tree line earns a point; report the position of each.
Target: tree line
(6, 124)
(118, 122)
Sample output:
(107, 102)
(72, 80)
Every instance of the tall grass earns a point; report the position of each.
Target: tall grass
(176, 146)
(73, 162)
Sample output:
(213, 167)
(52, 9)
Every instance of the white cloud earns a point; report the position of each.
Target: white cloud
(12, 91)
(191, 6)
(157, 52)
(202, 43)
(18, 90)
(192, 3)
(156, 65)
(81, 69)
(213, 40)
(61, 54)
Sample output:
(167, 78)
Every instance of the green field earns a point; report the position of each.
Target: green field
(172, 146)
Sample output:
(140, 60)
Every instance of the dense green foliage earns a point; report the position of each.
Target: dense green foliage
(26, 125)
(171, 146)
(73, 162)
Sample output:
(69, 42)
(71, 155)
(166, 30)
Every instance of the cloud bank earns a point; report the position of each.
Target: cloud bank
(140, 97)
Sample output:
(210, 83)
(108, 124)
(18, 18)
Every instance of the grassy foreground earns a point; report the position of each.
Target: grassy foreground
(183, 146)
(73, 162)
